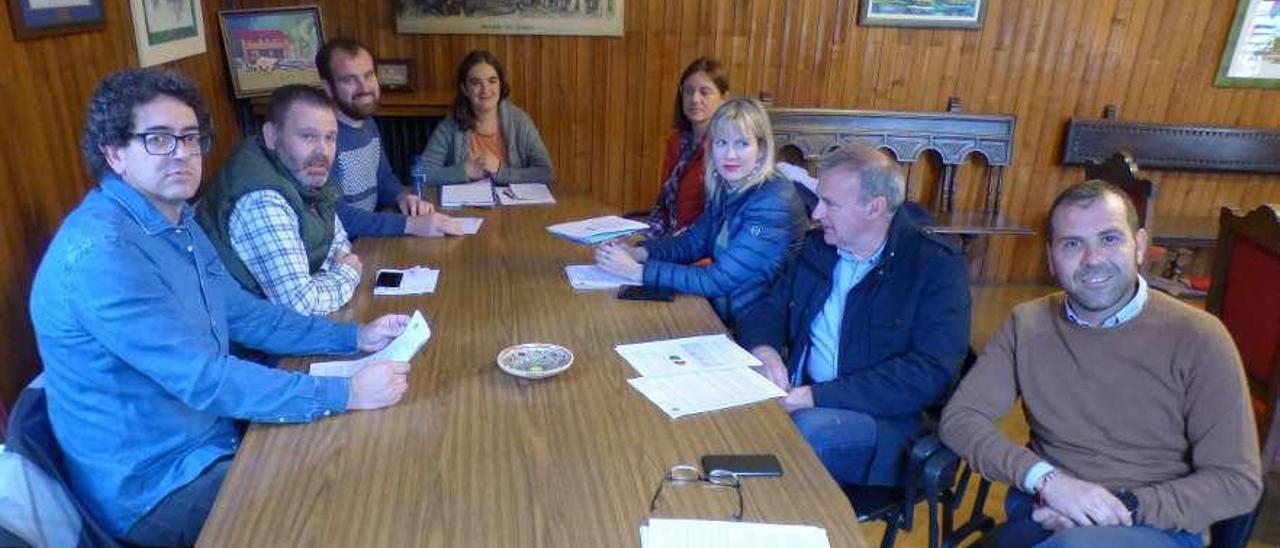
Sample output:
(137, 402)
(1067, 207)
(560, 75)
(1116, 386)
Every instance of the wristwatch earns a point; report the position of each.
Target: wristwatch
(1130, 501)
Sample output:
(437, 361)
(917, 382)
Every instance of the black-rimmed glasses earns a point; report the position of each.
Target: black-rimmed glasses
(687, 473)
(158, 143)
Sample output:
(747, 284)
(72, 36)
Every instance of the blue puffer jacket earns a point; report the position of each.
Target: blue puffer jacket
(749, 236)
(903, 338)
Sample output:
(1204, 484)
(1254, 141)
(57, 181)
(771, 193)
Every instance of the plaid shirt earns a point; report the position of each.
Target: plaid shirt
(264, 234)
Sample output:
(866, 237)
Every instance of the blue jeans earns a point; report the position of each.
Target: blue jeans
(178, 518)
(1021, 531)
(844, 440)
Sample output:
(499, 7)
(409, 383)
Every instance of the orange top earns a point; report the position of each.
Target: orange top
(491, 144)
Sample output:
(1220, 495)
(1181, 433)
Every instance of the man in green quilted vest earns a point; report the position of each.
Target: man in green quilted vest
(270, 210)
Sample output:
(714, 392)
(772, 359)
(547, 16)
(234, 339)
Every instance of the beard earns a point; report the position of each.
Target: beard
(353, 110)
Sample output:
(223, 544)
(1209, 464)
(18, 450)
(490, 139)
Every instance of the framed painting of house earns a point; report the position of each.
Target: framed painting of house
(167, 30)
(269, 48)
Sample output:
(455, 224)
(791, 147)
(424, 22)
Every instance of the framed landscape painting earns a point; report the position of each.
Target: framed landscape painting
(568, 17)
(38, 18)
(960, 14)
(269, 48)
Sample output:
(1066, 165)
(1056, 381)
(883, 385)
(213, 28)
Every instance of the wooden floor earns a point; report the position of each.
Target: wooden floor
(991, 307)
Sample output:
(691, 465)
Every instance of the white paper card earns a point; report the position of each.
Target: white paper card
(418, 280)
(479, 193)
(597, 229)
(703, 391)
(525, 194)
(469, 225)
(686, 355)
(682, 533)
(402, 349)
(590, 277)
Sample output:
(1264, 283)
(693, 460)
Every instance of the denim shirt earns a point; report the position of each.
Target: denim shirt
(133, 317)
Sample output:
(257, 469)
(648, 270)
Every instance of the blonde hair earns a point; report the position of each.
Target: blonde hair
(750, 119)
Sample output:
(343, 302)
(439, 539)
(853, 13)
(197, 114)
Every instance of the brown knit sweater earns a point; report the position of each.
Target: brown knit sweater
(1157, 405)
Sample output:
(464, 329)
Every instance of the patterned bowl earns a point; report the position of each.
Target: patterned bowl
(535, 360)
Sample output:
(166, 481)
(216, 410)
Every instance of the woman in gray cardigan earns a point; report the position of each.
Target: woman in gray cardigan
(485, 136)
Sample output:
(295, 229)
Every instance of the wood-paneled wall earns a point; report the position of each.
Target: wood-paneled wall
(44, 98)
(603, 105)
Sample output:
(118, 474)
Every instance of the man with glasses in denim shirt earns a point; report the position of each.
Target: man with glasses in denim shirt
(134, 312)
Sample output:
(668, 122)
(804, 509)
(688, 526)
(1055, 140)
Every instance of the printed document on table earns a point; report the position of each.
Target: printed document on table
(689, 354)
(479, 193)
(418, 280)
(597, 229)
(402, 349)
(589, 277)
(525, 194)
(691, 533)
(703, 391)
(469, 225)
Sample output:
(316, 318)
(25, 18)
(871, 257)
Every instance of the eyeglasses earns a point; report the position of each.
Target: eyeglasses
(687, 473)
(163, 144)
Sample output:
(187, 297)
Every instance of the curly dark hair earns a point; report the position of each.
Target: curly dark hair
(111, 117)
(462, 111)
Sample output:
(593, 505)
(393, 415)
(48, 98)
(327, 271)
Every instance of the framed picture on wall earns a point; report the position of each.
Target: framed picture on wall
(564, 17)
(1252, 56)
(37, 18)
(166, 30)
(269, 48)
(394, 75)
(959, 14)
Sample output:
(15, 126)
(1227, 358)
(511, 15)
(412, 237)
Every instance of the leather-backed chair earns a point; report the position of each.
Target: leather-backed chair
(31, 436)
(932, 474)
(1245, 295)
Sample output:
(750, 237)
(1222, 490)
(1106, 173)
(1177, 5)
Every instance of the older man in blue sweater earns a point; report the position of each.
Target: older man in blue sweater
(868, 326)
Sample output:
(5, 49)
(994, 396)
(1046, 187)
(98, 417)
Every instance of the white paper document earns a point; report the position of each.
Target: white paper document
(693, 533)
(590, 277)
(686, 355)
(700, 392)
(418, 280)
(469, 225)
(402, 349)
(478, 194)
(597, 229)
(525, 194)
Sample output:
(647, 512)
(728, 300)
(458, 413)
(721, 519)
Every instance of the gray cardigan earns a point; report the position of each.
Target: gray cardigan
(527, 160)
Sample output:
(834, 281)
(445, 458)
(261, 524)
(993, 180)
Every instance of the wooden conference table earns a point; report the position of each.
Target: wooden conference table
(474, 457)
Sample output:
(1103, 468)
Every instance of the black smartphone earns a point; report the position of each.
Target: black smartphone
(742, 465)
(388, 279)
(642, 293)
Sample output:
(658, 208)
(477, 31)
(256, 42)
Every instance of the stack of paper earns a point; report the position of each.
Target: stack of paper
(697, 374)
(595, 230)
(402, 349)
(682, 533)
(525, 194)
(469, 225)
(590, 277)
(418, 280)
(479, 194)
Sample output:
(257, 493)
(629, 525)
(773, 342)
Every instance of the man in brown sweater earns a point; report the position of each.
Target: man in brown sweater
(1141, 433)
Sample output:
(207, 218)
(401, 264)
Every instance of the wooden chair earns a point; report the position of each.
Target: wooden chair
(1121, 170)
(1245, 295)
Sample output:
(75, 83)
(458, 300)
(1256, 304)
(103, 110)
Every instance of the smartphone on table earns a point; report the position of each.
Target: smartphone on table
(742, 465)
(642, 293)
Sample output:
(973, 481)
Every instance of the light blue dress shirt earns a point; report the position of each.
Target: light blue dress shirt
(823, 360)
(133, 316)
